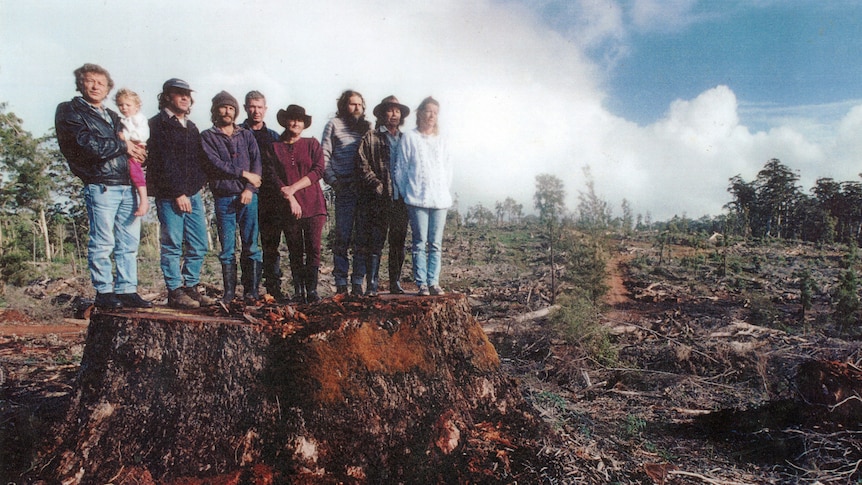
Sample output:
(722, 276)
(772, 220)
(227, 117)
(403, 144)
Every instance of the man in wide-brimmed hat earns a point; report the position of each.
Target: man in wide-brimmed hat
(381, 211)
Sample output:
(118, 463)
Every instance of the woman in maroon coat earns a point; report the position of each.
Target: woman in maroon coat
(296, 167)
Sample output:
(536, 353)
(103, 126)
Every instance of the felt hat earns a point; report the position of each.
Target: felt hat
(293, 112)
(388, 101)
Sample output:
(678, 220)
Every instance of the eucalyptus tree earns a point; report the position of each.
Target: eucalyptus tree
(32, 171)
(550, 199)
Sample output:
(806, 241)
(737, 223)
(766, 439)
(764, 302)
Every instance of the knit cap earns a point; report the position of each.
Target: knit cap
(225, 99)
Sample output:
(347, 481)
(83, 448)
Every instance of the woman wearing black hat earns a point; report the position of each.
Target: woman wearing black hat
(296, 167)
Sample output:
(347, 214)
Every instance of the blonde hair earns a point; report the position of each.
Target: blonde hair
(127, 93)
(423, 106)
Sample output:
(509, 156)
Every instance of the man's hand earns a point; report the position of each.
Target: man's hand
(136, 151)
(245, 197)
(252, 178)
(184, 204)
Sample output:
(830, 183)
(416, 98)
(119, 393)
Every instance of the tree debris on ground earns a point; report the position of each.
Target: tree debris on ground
(721, 374)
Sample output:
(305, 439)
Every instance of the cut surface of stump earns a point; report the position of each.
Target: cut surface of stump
(383, 390)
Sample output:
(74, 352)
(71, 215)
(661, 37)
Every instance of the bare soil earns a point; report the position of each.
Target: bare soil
(709, 341)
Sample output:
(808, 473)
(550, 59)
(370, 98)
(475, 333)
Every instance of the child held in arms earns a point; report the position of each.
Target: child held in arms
(136, 130)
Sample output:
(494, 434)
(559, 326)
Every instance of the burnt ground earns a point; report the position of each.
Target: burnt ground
(700, 387)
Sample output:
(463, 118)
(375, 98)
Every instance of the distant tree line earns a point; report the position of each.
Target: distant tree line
(774, 205)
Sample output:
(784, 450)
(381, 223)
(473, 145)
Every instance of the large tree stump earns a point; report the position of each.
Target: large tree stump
(389, 390)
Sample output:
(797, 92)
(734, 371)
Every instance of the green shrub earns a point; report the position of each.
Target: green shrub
(576, 320)
(14, 268)
(847, 307)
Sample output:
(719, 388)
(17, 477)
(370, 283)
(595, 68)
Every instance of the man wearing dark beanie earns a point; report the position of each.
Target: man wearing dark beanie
(234, 171)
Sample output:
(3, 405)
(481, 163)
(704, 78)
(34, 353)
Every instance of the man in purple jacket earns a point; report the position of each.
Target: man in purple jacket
(233, 168)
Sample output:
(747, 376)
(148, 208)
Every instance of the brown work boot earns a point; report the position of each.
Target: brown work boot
(198, 296)
(179, 298)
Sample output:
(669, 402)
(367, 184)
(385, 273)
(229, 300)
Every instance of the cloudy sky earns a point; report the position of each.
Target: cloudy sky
(663, 100)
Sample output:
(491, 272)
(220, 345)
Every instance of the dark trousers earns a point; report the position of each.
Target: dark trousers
(379, 218)
(271, 211)
(346, 201)
(303, 241)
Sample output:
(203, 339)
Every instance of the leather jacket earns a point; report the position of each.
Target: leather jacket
(94, 151)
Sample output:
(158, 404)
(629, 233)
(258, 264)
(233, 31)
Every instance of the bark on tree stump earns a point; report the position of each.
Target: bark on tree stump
(387, 390)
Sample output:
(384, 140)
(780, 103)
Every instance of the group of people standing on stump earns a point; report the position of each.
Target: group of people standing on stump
(263, 184)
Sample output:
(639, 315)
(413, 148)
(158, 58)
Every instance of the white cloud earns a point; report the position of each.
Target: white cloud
(662, 15)
(517, 99)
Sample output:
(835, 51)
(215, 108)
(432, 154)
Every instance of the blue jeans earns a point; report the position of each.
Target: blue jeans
(230, 212)
(178, 228)
(113, 229)
(427, 227)
(346, 200)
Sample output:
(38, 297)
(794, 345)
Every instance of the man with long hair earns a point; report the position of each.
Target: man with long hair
(176, 178)
(340, 142)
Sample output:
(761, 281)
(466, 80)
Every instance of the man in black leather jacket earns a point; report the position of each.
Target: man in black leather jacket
(90, 139)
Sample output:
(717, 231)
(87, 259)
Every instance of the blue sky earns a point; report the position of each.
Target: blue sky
(780, 54)
(656, 97)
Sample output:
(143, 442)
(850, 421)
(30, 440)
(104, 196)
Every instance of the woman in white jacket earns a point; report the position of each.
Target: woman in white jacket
(422, 173)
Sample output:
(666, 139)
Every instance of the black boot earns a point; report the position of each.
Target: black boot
(360, 262)
(395, 287)
(228, 274)
(299, 295)
(272, 278)
(372, 275)
(311, 273)
(250, 280)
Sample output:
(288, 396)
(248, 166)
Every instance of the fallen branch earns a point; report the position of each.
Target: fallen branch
(661, 372)
(535, 315)
(851, 398)
(706, 479)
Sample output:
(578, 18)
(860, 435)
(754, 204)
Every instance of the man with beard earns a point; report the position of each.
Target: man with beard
(175, 177)
(90, 138)
(340, 141)
(234, 171)
(381, 211)
(268, 196)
